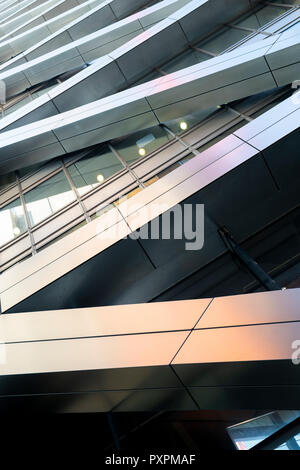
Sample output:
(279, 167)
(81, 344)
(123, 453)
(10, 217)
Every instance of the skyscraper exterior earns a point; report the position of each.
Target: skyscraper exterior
(149, 205)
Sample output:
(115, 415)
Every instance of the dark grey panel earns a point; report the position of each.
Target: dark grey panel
(257, 398)
(240, 199)
(100, 402)
(121, 8)
(46, 110)
(163, 251)
(151, 53)
(99, 281)
(240, 374)
(209, 20)
(283, 160)
(94, 87)
(81, 381)
(156, 400)
(97, 20)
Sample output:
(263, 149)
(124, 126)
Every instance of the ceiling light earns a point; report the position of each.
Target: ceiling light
(183, 126)
(16, 231)
(142, 152)
(100, 178)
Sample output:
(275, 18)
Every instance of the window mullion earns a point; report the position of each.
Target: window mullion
(126, 166)
(77, 195)
(27, 218)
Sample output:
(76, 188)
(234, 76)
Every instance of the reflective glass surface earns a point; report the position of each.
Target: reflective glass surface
(269, 13)
(225, 38)
(12, 221)
(291, 444)
(48, 197)
(141, 143)
(178, 126)
(89, 173)
(249, 433)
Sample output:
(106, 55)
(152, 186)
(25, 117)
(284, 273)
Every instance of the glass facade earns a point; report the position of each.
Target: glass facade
(12, 221)
(141, 144)
(48, 198)
(90, 172)
(91, 169)
(87, 174)
(250, 433)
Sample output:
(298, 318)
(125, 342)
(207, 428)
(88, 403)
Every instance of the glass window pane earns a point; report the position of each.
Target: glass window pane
(48, 197)
(178, 126)
(292, 444)
(39, 93)
(141, 143)
(12, 221)
(127, 196)
(250, 21)
(269, 13)
(247, 434)
(91, 172)
(17, 105)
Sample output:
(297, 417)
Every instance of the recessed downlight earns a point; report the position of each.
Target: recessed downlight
(183, 125)
(100, 178)
(142, 152)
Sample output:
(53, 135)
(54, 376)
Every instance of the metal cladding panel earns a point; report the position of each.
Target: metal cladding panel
(139, 378)
(266, 342)
(111, 272)
(252, 309)
(263, 398)
(63, 29)
(141, 59)
(283, 110)
(164, 31)
(213, 14)
(87, 90)
(121, 8)
(233, 72)
(285, 174)
(132, 57)
(91, 353)
(225, 168)
(232, 92)
(101, 321)
(102, 402)
(280, 130)
(101, 17)
(43, 111)
(210, 368)
(52, 252)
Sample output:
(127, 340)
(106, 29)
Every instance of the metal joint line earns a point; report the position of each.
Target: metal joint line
(27, 218)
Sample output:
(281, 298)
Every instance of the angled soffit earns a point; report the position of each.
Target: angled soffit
(250, 69)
